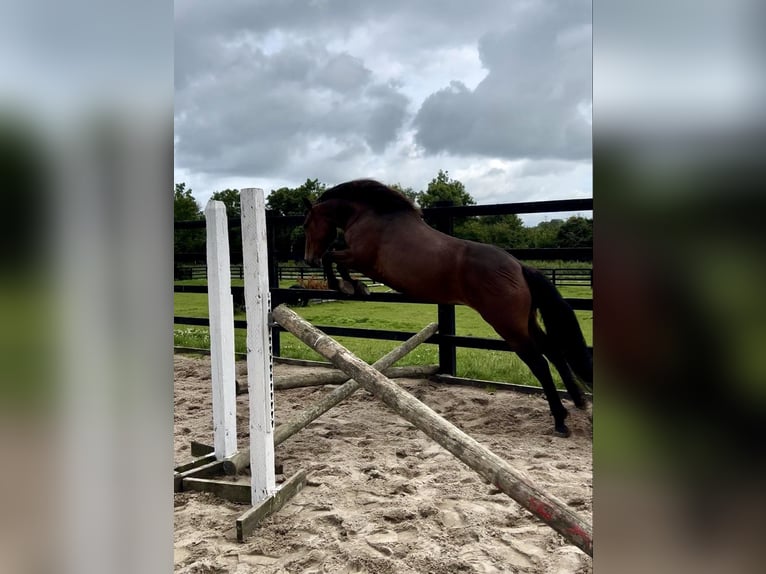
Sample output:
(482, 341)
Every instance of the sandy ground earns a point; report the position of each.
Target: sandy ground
(382, 497)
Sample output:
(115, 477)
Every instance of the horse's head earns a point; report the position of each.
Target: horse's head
(321, 231)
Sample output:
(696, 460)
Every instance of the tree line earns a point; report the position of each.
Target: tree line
(506, 231)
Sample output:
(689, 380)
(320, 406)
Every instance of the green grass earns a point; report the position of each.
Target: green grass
(471, 363)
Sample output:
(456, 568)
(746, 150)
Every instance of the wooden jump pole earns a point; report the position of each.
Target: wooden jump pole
(488, 465)
(238, 462)
(221, 309)
(335, 377)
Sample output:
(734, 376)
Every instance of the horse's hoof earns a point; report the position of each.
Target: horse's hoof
(346, 287)
(581, 404)
(562, 430)
(361, 288)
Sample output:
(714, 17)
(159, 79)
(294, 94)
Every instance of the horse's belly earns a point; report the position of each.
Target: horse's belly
(424, 266)
(422, 286)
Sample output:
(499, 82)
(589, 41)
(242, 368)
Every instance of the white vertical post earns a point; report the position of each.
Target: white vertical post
(221, 309)
(260, 381)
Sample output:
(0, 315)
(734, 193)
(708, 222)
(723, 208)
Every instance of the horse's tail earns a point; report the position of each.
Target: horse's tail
(561, 324)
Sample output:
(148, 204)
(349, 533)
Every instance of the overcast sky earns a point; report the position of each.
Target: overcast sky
(497, 92)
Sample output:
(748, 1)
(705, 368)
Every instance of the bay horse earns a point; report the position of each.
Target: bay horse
(388, 241)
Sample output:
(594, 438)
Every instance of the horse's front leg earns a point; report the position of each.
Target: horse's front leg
(355, 285)
(347, 285)
(332, 280)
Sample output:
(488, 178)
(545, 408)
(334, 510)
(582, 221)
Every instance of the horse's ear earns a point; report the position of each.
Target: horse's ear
(307, 203)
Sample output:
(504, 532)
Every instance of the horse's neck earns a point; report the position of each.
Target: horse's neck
(362, 220)
(347, 214)
(340, 212)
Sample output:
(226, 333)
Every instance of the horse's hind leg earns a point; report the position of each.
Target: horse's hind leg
(536, 362)
(556, 357)
(557, 360)
(527, 341)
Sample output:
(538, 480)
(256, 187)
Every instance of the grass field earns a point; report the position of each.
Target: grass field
(471, 363)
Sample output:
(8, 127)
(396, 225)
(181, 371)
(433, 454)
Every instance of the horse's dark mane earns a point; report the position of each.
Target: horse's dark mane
(374, 194)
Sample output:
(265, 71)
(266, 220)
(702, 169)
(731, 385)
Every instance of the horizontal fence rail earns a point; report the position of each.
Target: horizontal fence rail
(524, 207)
(556, 275)
(521, 253)
(482, 343)
(292, 295)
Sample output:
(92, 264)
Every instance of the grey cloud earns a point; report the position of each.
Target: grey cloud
(528, 105)
(387, 117)
(202, 27)
(445, 116)
(545, 167)
(396, 26)
(343, 73)
(255, 110)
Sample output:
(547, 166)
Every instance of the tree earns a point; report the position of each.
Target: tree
(185, 207)
(544, 234)
(230, 198)
(576, 231)
(290, 200)
(442, 188)
(506, 231)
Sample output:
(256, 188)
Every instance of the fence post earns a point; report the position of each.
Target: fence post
(446, 313)
(553, 276)
(271, 241)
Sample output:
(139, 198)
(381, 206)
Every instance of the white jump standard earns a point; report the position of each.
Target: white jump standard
(262, 493)
(221, 311)
(266, 498)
